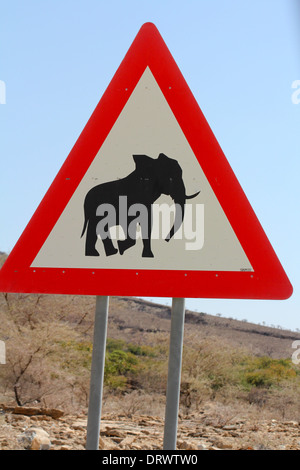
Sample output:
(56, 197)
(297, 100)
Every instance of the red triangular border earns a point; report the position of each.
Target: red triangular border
(268, 281)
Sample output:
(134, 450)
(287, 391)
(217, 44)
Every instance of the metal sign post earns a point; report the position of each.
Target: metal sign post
(97, 373)
(174, 373)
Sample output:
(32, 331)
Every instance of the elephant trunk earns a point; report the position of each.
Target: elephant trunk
(179, 200)
(178, 197)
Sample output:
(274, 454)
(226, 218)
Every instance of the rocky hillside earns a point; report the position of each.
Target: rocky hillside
(135, 318)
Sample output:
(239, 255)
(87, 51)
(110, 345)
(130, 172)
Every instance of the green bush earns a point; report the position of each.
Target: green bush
(118, 366)
(119, 362)
(135, 349)
(267, 372)
(126, 363)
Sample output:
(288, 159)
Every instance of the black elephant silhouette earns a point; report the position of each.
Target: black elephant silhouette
(141, 188)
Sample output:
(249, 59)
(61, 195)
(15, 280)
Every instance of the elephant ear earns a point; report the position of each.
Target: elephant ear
(143, 164)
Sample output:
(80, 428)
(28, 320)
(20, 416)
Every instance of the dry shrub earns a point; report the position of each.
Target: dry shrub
(49, 347)
(136, 402)
(209, 370)
(284, 402)
(258, 397)
(33, 336)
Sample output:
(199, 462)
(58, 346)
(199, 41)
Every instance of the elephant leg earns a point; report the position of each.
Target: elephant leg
(130, 240)
(103, 230)
(146, 236)
(109, 246)
(146, 225)
(147, 252)
(91, 239)
(125, 244)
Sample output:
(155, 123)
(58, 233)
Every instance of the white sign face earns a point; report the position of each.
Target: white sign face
(114, 186)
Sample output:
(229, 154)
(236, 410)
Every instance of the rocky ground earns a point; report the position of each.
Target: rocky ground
(22, 429)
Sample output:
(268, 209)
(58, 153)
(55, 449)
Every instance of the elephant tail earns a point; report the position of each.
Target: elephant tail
(84, 225)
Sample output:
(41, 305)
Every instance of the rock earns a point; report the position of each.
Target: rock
(202, 447)
(35, 439)
(80, 425)
(113, 432)
(128, 441)
(27, 411)
(230, 427)
(186, 445)
(57, 442)
(106, 444)
(220, 444)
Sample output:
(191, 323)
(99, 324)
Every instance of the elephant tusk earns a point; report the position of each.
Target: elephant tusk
(192, 195)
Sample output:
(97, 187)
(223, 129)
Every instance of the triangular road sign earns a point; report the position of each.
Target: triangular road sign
(147, 159)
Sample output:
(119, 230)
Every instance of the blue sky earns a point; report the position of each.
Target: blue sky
(239, 59)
